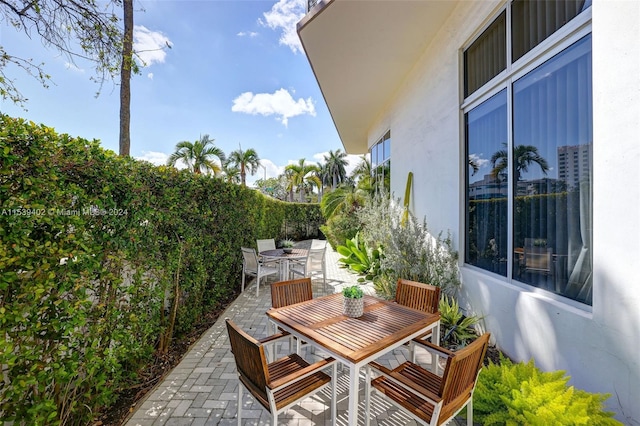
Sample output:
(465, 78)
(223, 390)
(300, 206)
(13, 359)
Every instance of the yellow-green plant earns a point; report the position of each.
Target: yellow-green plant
(521, 394)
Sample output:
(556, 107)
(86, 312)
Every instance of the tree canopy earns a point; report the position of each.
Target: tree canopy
(76, 28)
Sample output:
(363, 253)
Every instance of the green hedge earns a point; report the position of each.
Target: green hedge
(94, 249)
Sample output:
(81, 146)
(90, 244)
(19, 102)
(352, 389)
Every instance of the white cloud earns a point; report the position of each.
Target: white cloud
(73, 67)
(158, 158)
(150, 76)
(267, 168)
(150, 46)
(279, 103)
(247, 34)
(283, 17)
(479, 161)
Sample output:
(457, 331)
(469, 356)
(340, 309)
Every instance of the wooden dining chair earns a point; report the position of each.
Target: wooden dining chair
(423, 297)
(285, 293)
(252, 267)
(282, 383)
(431, 399)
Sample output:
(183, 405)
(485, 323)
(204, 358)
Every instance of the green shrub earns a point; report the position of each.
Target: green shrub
(516, 394)
(103, 261)
(409, 251)
(340, 228)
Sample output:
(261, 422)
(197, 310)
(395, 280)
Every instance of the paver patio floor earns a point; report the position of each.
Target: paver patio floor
(203, 388)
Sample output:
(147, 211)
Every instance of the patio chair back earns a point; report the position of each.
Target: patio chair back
(266, 244)
(252, 267)
(315, 262)
(251, 362)
(285, 293)
(318, 244)
(250, 259)
(460, 375)
(423, 297)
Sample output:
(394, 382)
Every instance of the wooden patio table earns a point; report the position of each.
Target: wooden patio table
(384, 326)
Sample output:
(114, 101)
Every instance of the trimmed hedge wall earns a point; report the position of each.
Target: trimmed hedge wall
(104, 259)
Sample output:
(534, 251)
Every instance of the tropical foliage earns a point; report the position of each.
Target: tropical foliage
(360, 258)
(199, 156)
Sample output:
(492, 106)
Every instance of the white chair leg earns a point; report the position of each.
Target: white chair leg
(470, 412)
(367, 395)
(258, 283)
(275, 419)
(334, 393)
(239, 404)
(243, 275)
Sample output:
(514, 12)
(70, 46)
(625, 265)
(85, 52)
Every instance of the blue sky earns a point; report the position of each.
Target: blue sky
(235, 71)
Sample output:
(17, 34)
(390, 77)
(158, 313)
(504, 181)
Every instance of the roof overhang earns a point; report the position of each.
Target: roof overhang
(360, 53)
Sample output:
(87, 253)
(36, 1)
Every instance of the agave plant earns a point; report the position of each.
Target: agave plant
(360, 258)
(456, 328)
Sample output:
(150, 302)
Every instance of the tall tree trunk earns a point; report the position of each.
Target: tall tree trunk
(125, 79)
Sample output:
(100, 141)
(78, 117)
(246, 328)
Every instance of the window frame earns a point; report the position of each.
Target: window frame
(573, 31)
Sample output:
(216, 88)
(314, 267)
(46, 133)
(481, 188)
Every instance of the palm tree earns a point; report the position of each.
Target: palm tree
(363, 174)
(198, 156)
(345, 199)
(524, 155)
(336, 163)
(473, 163)
(245, 160)
(300, 174)
(231, 173)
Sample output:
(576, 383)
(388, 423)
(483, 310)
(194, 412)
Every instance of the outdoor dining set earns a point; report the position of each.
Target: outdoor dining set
(431, 395)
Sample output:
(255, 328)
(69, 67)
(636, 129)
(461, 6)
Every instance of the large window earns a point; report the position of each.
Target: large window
(529, 147)
(381, 162)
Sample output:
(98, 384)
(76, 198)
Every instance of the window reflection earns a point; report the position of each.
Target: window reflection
(486, 132)
(552, 162)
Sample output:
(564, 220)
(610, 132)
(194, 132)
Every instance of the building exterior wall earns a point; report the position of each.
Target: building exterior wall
(598, 345)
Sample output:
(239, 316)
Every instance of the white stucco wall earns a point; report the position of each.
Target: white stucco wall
(598, 346)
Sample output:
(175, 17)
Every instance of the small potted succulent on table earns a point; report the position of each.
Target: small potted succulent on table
(353, 301)
(287, 245)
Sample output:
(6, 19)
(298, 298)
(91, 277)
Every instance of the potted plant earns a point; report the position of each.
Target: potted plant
(287, 245)
(353, 301)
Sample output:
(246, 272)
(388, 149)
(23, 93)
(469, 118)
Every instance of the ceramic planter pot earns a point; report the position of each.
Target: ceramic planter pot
(353, 308)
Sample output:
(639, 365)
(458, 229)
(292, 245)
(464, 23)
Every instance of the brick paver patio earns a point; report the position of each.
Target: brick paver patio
(203, 388)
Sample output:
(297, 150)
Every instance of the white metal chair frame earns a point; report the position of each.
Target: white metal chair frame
(252, 267)
(315, 262)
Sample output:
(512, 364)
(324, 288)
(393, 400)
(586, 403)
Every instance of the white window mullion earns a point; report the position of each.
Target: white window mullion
(510, 186)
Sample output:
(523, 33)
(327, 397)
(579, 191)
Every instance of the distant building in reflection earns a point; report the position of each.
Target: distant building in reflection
(574, 163)
(487, 188)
